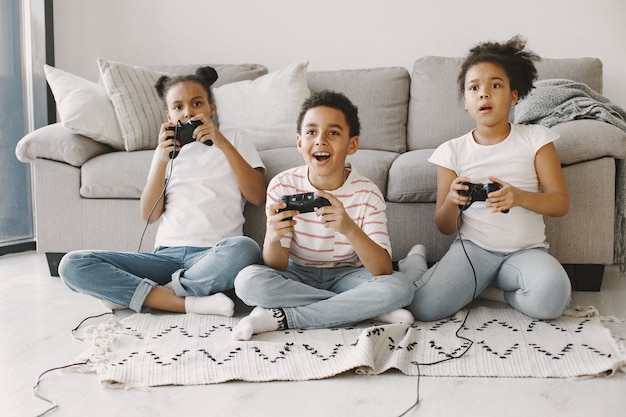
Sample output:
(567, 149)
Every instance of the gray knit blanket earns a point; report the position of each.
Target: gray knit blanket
(555, 101)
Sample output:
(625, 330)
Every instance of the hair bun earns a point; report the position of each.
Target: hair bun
(208, 74)
(161, 84)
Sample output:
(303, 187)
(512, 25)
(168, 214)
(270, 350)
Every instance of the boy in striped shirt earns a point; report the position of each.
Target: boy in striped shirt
(331, 267)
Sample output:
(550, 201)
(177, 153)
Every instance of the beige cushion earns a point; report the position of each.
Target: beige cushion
(84, 107)
(265, 108)
(382, 96)
(57, 143)
(127, 180)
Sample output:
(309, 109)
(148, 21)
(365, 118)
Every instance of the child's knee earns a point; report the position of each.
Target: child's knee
(248, 251)
(247, 285)
(68, 266)
(423, 310)
(547, 297)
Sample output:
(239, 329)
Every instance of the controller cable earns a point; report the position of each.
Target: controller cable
(54, 405)
(469, 342)
(167, 179)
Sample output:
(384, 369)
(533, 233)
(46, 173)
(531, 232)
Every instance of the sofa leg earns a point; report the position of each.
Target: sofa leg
(53, 259)
(585, 277)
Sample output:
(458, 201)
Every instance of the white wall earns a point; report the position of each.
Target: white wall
(333, 34)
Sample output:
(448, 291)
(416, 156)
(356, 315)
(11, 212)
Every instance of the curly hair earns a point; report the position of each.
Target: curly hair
(335, 100)
(518, 63)
(205, 76)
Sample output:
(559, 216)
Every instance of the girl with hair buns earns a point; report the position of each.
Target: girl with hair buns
(199, 198)
(500, 252)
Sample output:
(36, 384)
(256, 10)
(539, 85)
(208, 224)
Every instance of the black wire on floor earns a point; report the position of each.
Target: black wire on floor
(54, 405)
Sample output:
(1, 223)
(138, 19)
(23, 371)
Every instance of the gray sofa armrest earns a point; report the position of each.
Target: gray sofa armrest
(56, 143)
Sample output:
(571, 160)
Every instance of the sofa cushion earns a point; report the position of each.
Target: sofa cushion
(139, 110)
(115, 175)
(84, 107)
(265, 108)
(374, 165)
(582, 70)
(382, 96)
(436, 112)
(586, 140)
(280, 159)
(412, 179)
(57, 143)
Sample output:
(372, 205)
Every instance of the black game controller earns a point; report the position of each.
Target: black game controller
(478, 192)
(304, 203)
(183, 134)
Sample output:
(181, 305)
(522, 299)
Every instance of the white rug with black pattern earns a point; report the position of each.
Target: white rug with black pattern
(189, 349)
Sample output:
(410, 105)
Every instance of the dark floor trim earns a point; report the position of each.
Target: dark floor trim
(20, 247)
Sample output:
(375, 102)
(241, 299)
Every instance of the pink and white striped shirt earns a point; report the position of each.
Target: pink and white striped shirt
(311, 244)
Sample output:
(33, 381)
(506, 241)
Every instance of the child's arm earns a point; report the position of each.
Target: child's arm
(274, 255)
(552, 200)
(156, 178)
(251, 180)
(448, 199)
(373, 256)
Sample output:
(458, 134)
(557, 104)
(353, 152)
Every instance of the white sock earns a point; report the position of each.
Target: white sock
(398, 316)
(418, 249)
(218, 304)
(260, 320)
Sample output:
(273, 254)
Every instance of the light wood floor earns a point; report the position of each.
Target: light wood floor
(37, 314)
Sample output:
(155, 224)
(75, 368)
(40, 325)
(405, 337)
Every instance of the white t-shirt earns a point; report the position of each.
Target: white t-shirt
(203, 202)
(311, 244)
(513, 161)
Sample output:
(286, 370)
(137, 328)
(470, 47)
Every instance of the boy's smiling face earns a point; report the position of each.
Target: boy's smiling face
(324, 142)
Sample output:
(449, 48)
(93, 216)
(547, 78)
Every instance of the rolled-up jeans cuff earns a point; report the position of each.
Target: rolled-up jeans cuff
(142, 291)
(179, 290)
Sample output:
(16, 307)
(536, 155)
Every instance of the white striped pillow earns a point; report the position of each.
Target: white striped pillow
(139, 110)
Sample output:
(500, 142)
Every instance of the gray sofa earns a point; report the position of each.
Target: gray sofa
(86, 193)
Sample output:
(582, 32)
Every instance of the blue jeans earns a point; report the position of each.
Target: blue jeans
(323, 297)
(126, 278)
(533, 281)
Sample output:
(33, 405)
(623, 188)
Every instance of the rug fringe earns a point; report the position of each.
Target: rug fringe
(99, 338)
(591, 311)
(584, 311)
